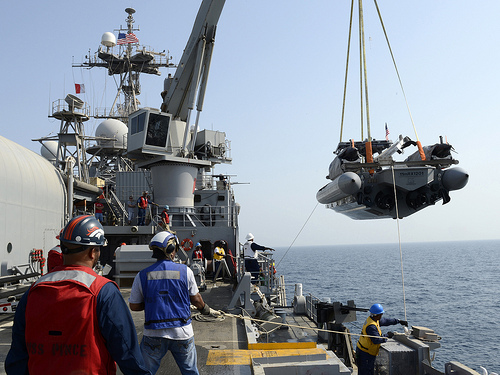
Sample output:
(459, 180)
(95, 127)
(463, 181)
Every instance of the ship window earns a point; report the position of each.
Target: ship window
(157, 130)
(221, 198)
(137, 123)
(9, 247)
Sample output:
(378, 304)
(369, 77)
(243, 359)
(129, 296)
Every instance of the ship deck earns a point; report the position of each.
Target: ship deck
(222, 346)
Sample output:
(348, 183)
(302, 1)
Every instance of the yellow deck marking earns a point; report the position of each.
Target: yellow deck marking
(244, 357)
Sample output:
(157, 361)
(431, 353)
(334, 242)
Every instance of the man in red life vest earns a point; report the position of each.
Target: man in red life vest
(165, 219)
(55, 257)
(99, 206)
(73, 321)
(142, 204)
(197, 253)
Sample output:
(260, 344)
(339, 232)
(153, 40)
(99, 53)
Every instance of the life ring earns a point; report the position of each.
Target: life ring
(187, 244)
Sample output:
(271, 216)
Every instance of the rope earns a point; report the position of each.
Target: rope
(360, 74)
(346, 71)
(298, 234)
(239, 316)
(363, 59)
(399, 239)
(395, 67)
(208, 318)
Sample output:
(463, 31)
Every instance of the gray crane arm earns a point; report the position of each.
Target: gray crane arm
(180, 91)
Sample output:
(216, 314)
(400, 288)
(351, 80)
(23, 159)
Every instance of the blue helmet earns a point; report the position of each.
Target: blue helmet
(84, 230)
(197, 244)
(376, 309)
(166, 207)
(165, 241)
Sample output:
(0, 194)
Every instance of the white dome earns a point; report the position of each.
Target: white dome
(49, 150)
(108, 39)
(115, 129)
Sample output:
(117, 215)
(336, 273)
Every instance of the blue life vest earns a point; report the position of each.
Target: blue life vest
(166, 295)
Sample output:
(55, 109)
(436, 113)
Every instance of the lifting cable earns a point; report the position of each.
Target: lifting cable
(363, 74)
(298, 234)
(399, 239)
(419, 145)
(346, 72)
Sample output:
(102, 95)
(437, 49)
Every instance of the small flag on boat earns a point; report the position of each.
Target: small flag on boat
(386, 132)
(127, 38)
(79, 88)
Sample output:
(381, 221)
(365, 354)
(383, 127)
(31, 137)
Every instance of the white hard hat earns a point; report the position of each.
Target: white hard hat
(249, 237)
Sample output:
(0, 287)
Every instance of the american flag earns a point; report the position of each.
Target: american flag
(126, 38)
(386, 133)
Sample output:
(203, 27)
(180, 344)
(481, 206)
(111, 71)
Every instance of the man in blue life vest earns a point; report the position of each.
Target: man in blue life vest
(165, 291)
(72, 320)
(368, 347)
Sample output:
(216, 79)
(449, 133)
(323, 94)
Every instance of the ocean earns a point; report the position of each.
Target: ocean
(450, 287)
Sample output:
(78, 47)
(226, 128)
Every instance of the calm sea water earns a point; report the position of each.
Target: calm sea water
(451, 287)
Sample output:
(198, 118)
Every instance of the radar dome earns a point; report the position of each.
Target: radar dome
(114, 129)
(49, 150)
(108, 39)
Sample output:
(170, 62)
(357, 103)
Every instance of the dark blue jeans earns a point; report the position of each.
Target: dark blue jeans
(365, 362)
(141, 216)
(252, 266)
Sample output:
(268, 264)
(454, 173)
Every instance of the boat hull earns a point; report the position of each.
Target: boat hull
(412, 188)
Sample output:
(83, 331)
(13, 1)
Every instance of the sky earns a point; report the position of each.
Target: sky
(275, 88)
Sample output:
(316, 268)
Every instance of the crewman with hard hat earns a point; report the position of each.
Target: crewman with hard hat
(72, 320)
(197, 253)
(371, 339)
(165, 291)
(251, 253)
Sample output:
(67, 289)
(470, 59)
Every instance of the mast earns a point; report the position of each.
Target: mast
(126, 58)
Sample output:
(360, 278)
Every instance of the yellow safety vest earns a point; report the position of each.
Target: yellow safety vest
(365, 343)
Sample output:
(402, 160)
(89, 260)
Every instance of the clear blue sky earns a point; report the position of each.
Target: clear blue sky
(275, 88)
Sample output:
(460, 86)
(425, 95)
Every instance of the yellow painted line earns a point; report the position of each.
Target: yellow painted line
(227, 357)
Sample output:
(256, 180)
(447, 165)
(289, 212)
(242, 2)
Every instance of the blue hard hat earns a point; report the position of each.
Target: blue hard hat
(166, 241)
(83, 230)
(198, 244)
(376, 309)
(166, 207)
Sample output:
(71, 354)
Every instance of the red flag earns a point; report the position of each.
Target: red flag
(79, 88)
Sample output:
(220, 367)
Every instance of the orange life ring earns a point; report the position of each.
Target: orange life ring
(187, 246)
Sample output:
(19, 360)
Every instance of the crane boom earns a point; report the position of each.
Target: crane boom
(190, 78)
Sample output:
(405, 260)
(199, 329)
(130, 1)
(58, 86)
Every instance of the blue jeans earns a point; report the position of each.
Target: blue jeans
(184, 352)
(98, 216)
(365, 362)
(252, 266)
(141, 216)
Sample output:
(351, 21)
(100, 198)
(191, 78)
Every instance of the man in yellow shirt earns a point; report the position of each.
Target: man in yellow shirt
(219, 255)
